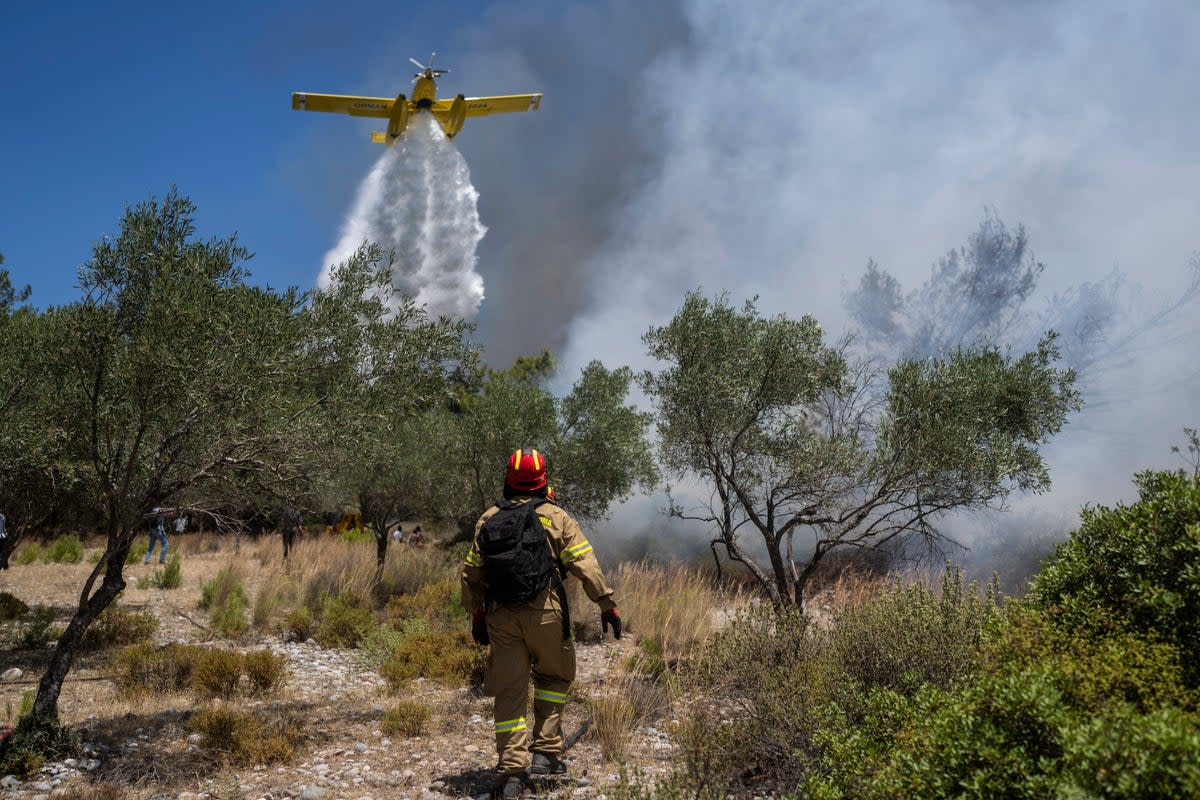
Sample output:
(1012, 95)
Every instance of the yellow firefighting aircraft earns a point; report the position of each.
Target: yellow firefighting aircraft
(449, 113)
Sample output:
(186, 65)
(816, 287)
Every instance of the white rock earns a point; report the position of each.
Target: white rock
(360, 747)
(313, 793)
(11, 674)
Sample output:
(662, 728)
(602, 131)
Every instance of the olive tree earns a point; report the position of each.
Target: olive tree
(175, 382)
(809, 452)
(593, 436)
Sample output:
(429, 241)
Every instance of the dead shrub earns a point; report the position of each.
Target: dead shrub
(90, 791)
(406, 718)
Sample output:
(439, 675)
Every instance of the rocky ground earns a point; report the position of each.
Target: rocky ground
(141, 748)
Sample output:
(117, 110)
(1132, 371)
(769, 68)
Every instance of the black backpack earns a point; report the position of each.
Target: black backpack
(517, 561)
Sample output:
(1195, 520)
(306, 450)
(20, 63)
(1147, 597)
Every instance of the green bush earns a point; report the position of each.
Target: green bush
(214, 592)
(352, 535)
(37, 629)
(406, 718)
(11, 607)
(780, 681)
(247, 738)
(1137, 564)
(217, 673)
(443, 656)
(118, 627)
(170, 576)
(265, 671)
(380, 644)
(343, 624)
(64, 550)
(224, 598)
(299, 625)
(1050, 714)
(143, 667)
(28, 554)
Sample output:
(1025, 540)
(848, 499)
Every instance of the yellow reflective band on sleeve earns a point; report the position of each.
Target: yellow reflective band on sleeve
(550, 697)
(508, 726)
(474, 559)
(574, 552)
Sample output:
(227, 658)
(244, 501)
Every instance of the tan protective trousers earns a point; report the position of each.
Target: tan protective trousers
(524, 639)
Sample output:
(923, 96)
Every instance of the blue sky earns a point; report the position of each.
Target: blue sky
(768, 148)
(107, 104)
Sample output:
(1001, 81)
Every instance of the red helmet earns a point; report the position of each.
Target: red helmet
(526, 470)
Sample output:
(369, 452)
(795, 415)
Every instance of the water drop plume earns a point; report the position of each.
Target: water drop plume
(418, 203)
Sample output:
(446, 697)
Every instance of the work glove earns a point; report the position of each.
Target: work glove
(479, 628)
(611, 617)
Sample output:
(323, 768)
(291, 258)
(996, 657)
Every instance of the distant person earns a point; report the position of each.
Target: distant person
(398, 535)
(3, 526)
(417, 537)
(158, 532)
(181, 523)
(292, 525)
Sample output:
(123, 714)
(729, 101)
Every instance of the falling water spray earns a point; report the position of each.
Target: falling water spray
(419, 204)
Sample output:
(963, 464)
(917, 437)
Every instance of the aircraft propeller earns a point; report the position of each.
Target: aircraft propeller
(429, 70)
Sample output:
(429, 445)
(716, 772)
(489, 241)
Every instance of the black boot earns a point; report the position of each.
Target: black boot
(511, 787)
(546, 764)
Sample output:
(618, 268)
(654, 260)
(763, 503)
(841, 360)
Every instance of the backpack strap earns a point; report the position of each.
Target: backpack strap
(556, 579)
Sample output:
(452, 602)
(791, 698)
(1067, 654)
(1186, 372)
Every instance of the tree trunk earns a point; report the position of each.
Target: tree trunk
(381, 544)
(45, 705)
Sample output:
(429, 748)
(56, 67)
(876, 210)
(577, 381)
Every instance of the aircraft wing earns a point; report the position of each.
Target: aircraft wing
(344, 104)
(482, 106)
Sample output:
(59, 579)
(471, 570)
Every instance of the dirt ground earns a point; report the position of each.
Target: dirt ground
(140, 747)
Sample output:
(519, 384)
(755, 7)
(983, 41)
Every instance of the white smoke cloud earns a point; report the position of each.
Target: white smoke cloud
(797, 141)
(418, 202)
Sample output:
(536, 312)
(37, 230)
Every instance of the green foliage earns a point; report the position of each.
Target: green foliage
(343, 623)
(170, 576)
(382, 641)
(247, 738)
(64, 550)
(217, 673)
(11, 607)
(28, 554)
(265, 671)
(787, 693)
(1049, 714)
(299, 625)
(116, 627)
(37, 630)
(35, 739)
(406, 718)
(352, 535)
(224, 598)
(790, 436)
(144, 667)
(1136, 565)
(449, 657)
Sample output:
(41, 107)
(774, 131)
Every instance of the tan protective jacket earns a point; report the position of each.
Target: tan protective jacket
(567, 544)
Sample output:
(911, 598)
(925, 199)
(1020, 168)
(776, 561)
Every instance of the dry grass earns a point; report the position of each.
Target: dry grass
(332, 567)
(623, 704)
(672, 608)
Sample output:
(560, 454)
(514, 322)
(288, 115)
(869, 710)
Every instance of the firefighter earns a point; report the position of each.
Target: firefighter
(526, 619)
